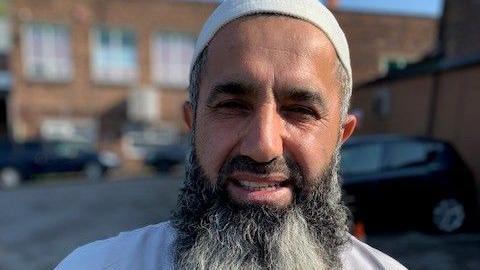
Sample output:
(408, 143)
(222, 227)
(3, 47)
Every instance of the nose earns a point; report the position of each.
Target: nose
(262, 140)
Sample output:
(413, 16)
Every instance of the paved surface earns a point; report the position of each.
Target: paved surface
(419, 251)
(41, 223)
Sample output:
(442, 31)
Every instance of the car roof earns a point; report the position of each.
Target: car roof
(387, 138)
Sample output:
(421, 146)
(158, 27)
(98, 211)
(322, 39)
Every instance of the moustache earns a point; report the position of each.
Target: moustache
(245, 164)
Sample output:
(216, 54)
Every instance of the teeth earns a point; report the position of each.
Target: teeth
(258, 186)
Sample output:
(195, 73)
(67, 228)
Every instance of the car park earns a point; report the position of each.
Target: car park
(399, 182)
(23, 161)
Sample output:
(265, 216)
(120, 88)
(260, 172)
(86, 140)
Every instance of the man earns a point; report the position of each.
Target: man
(269, 95)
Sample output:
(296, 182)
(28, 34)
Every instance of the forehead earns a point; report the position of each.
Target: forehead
(250, 33)
(275, 51)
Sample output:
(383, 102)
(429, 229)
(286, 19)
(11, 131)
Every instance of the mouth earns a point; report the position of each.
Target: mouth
(272, 189)
(255, 186)
(257, 182)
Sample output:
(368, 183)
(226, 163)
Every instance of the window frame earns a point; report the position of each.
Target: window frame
(93, 42)
(5, 32)
(383, 152)
(26, 55)
(426, 148)
(155, 78)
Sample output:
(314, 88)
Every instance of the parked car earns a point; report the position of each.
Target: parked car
(22, 161)
(403, 182)
(165, 158)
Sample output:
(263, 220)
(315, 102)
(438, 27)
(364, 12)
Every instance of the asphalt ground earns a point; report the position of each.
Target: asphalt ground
(41, 223)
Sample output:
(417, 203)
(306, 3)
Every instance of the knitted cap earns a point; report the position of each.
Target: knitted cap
(312, 11)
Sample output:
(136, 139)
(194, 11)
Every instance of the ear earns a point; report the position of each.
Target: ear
(188, 114)
(348, 127)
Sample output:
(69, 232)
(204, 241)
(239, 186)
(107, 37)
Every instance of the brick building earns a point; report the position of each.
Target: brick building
(436, 97)
(115, 71)
(382, 41)
(96, 70)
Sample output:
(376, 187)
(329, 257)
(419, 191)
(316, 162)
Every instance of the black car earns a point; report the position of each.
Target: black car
(23, 161)
(166, 157)
(398, 182)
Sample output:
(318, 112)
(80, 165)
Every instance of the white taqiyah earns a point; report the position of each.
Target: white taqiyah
(312, 11)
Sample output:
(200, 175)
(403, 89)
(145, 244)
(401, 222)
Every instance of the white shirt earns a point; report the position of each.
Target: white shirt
(150, 248)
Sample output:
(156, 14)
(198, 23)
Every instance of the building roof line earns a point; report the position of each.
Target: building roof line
(427, 66)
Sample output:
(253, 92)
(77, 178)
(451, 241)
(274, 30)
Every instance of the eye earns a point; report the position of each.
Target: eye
(231, 106)
(301, 111)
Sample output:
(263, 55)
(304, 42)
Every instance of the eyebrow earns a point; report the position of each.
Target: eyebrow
(230, 88)
(240, 89)
(305, 95)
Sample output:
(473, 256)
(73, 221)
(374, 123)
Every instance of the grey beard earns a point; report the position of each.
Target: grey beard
(215, 233)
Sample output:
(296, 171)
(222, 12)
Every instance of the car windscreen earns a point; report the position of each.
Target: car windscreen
(411, 153)
(361, 158)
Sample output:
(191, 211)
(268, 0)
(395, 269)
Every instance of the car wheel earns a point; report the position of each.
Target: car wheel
(448, 215)
(93, 171)
(10, 178)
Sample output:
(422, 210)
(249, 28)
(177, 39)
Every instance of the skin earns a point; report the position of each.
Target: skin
(268, 93)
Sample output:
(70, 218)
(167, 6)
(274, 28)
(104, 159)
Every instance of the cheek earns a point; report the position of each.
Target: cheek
(313, 150)
(214, 143)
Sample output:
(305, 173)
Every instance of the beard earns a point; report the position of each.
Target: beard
(215, 232)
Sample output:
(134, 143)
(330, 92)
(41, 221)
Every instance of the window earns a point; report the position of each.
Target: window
(5, 34)
(4, 27)
(172, 54)
(46, 52)
(409, 154)
(114, 56)
(78, 130)
(360, 159)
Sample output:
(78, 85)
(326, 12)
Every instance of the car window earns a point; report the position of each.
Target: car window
(63, 149)
(360, 159)
(69, 149)
(408, 154)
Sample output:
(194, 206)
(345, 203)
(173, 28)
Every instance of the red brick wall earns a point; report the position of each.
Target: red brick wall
(376, 36)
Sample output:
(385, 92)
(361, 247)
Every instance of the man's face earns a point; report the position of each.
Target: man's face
(269, 94)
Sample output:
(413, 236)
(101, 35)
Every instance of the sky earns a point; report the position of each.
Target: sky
(430, 8)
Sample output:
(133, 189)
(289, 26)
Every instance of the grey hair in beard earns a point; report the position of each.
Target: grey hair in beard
(216, 233)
